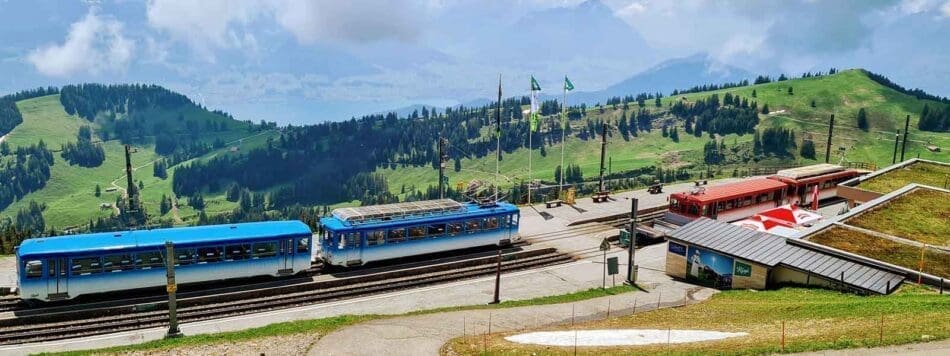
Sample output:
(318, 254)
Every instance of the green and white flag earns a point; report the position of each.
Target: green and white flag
(535, 106)
(568, 86)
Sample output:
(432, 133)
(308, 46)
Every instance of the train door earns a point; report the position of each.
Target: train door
(286, 257)
(354, 250)
(57, 283)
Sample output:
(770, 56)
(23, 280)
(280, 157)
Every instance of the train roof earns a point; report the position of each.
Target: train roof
(157, 237)
(731, 190)
(340, 221)
(809, 171)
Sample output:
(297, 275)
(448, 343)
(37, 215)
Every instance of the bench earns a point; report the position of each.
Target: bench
(552, 203)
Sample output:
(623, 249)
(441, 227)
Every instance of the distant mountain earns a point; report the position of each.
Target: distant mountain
(679, 73)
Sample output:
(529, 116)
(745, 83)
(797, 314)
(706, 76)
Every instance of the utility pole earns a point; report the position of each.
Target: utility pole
(172, 288)
(498, 142)
(632, 246)
(897, 140)
(497, 299)
(906, 130)
(831, 128)
(603, 153)
(442, 158)
(131, 189)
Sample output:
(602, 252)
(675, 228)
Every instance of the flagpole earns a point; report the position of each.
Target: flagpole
(497, 138)
(530, 150)
(560, 190)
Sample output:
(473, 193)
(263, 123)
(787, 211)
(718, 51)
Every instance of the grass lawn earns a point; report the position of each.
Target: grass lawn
(69, 192)
(327, 325)
(934, 175)
(920, 215)
(814, 320)
(935, 262)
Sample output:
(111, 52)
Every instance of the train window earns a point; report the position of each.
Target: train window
(417, 232)
(730, 204)
(674, 204)
(491, 223)
(747, 201)
(184, 256)
(396, 235)
(472, 226)
(436, 230)
(514, 219)
(209, 254)
(237, 252)
(454, 228)
(88, 265)
(692, 210)
(374, 238)
(115, 263)
(147, 260)
(265, 249)
(303, 245)
(705, 210)
(33, 269)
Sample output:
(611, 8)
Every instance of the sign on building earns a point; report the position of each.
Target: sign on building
(743, 269)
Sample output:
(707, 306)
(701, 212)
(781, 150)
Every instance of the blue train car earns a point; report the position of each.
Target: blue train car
(64, 267)
(356, 236)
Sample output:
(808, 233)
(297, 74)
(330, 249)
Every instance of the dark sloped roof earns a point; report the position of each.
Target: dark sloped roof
(772, 250)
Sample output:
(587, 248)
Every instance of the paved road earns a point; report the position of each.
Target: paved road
(426, 334)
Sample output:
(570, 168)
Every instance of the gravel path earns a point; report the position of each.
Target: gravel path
(921, 349)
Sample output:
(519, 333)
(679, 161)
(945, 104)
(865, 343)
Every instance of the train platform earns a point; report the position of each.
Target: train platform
(538, 218)
(585, 272)
(8, 273)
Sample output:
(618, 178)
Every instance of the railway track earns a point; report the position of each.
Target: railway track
(55, 325)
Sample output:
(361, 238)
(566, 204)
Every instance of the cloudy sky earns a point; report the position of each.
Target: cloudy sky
(301, 61)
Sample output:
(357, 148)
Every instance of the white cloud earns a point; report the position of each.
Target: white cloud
(945, 9)
(93, 44)
(350, 21)
(633, 8)
(204, 25)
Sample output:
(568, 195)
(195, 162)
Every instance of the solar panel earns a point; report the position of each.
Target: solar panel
(372, 213)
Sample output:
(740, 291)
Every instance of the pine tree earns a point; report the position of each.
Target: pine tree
(753, 94)
(98, 191)
(813, 103)
(765, 109)
(862, 119)
(790, 91)
(657, 102)
(675, 134)
(808, 149)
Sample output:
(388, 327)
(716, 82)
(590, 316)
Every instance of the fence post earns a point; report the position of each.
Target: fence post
(634, 306)
(572, 314)
(783, 335)
(658, 297)
(608, 308)
(881, 338)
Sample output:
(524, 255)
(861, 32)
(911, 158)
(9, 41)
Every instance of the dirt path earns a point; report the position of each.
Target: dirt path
(921, 349)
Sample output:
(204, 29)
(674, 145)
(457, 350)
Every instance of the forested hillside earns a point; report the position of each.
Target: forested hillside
(192, 165)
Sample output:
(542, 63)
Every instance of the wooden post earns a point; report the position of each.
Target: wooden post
(608, 308)
(920, 273)
(171, 287)
(881, 338)
(783, 335)
(572, 315)
(497, 299)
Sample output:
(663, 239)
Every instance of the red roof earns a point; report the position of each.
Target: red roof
(732, 190)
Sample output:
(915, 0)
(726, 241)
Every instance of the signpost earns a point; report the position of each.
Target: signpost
(605, 246)
(172, 288)
(613, 268)
(632, 247)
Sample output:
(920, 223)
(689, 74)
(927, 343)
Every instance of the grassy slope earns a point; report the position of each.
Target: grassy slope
(843, 93)
(813, 319)
(69, 192)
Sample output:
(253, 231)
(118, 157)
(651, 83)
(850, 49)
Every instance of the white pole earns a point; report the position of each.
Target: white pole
(497, 139)
(530, 150)
(560, 189)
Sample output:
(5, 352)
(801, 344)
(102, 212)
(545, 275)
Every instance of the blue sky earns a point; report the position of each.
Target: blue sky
(308, 61)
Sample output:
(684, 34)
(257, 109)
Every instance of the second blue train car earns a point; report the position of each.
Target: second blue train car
(356, 236)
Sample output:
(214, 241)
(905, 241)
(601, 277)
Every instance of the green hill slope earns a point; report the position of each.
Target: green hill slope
(69, 193)
(842, 94)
